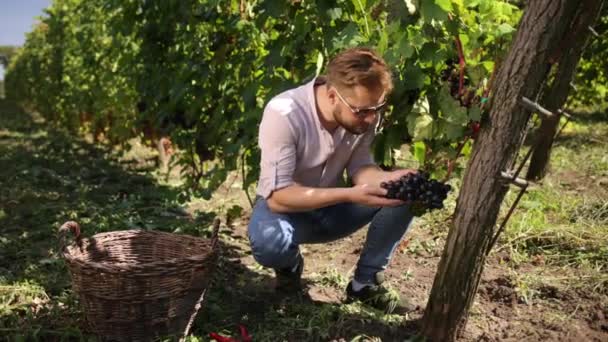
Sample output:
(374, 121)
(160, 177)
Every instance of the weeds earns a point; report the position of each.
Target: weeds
(555, 240)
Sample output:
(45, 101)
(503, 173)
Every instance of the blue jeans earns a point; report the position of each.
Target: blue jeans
(275, 238)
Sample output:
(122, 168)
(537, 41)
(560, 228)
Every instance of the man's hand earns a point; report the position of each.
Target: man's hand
(396, 174)
(372, 196)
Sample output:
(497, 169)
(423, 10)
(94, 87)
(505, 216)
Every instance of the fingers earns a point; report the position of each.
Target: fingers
(386, 202)
(404, 172)
(381, 201)
(376, 196)
(377, 191)
(373, 190)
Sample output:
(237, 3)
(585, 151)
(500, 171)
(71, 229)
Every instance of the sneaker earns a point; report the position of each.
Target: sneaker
(289, 281)
(379, 297)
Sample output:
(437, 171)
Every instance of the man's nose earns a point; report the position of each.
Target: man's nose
(370, 118)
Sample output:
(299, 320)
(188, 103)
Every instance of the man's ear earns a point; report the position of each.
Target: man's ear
(331, 96)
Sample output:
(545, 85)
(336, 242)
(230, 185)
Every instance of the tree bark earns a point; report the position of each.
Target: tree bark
(521, 74)
(556, 94)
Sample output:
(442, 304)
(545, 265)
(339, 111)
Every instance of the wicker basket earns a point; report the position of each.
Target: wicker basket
(136, 285)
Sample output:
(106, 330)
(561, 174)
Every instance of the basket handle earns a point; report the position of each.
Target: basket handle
(215, 235)
(69, 226)
(199, 303)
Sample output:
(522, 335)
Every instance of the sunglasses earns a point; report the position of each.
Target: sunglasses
(364, 112)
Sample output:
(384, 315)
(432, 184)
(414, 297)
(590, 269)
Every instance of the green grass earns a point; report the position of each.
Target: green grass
(560, 224)
(570, 203)
(563, 222)
(330, 278)
(556, 237)
(49, 176)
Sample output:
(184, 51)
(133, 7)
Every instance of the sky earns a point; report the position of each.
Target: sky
(16, 19)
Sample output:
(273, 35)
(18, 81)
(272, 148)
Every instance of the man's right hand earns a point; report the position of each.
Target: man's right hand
(372, 196)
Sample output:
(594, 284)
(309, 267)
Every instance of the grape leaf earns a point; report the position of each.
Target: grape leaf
(445, 5)
(430, 10)
(474, 113)
(414, 78)
(504, 29)
(451, 109)
(420, 126)
(419, 151)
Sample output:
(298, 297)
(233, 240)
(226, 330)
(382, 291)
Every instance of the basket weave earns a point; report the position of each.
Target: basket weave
(137, 285)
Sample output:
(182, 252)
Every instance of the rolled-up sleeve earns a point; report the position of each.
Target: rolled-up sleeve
(361, 155)
(277, 142)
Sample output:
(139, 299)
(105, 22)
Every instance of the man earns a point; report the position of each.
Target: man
(308, 136)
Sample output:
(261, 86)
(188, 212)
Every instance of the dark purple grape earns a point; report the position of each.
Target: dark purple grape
(419, 189)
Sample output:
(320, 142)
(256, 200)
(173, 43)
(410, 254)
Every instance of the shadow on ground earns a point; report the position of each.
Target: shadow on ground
(578, 140)
(48, 176)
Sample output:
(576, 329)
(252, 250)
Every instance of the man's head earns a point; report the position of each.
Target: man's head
(358, 82)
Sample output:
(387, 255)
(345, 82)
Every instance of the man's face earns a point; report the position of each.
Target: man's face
(357, 109)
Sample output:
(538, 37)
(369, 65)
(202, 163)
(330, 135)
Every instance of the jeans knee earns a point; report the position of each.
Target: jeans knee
(396, 220)
(272, 243)
(402, 213)
(403, 209)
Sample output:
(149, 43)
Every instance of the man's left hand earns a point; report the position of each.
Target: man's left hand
(396, 174)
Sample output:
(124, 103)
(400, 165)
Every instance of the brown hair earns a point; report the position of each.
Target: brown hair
(359, 66)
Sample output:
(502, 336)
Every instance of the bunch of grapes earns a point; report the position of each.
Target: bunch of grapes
(451, 75)
(424, 193)
(450, 72)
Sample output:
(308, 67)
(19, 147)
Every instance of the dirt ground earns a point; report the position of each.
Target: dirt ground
(499, 313)
(48, 176)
